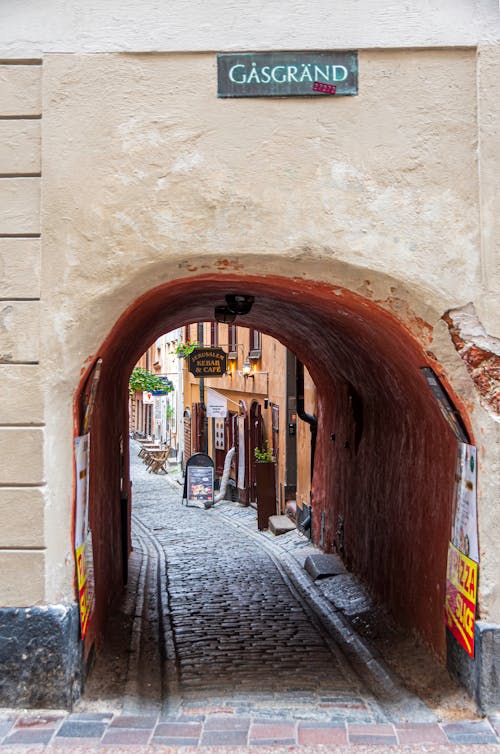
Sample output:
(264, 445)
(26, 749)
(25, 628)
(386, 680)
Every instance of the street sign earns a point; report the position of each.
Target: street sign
(208, 362)
(287, 74)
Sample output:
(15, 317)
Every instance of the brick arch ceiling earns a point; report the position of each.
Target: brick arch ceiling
(393, 493)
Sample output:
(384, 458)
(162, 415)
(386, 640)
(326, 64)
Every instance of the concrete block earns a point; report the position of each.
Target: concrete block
(19, 331)
(40, 656)
(320, 566)
(20, 90)
(22, 401)
(22, 517)
(22, 577)
(280, 525)
(21, 451)
(480, 675)
(20, 150)
(19, 205)
(20, 267)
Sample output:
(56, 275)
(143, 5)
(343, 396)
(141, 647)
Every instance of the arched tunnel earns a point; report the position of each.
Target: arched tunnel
(385, 455)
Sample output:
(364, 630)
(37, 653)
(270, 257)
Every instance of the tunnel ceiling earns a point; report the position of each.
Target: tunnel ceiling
(333, 331)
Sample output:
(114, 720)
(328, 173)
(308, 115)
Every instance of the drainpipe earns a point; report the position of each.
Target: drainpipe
(309, 418)
(205, 418)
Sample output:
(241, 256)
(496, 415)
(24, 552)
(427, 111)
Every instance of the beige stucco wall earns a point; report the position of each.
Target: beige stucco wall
(22, 474)
(148, 177)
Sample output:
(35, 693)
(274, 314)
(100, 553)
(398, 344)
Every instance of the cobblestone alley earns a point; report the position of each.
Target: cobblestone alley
(218, 642)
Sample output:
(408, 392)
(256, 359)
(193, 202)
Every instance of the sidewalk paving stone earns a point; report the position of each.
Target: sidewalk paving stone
(127, 736)
(371, 734)
(470, 732)
(81, 729)
(422, 733)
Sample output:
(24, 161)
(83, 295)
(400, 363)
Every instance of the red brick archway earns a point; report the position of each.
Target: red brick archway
(384, 458)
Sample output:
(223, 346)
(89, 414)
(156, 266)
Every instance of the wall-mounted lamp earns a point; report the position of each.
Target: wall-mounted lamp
(247, 370)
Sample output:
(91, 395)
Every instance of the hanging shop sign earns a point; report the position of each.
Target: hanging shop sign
(287, 74)
(460, 601)
(208, 362)
(216, 405)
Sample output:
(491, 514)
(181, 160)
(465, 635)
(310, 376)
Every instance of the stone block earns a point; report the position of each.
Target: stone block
(40, 656)
(20, 267)
(19, 205)
(22, 401)
(20, 90)
(321, 566)
(480, 675)
(21, 451)
(22, 577)
(19, 331)
(22, 517)
(20, 150)
(280, 525)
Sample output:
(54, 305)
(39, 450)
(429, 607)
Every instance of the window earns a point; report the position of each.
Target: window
(233, 338)
(255, 340)
(214, 333)
(200, 333)
(255, 345)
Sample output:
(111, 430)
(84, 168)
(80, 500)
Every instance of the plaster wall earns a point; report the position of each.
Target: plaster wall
(30, 29)
(22, 472)
(148, 177)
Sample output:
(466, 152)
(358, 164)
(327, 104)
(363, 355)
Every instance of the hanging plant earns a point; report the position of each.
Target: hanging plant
(185, 349)
(265, 455)
(143, 380)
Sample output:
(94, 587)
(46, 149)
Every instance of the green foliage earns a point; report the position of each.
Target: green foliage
(142, 379)
(184, 349)
(265, 455)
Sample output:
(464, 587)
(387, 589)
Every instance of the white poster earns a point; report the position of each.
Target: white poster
(82, 445)
(241, 452)
(219, 434)
(148, 397)
(216, 405)
(464, 531)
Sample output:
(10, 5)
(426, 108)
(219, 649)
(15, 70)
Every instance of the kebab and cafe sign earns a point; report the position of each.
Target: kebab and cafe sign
(208, 362)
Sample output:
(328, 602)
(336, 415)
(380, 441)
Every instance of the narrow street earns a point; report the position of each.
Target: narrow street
(222, 639)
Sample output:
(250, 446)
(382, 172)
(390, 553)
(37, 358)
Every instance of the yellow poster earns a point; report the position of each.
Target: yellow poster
(461, 596)
(85, 577)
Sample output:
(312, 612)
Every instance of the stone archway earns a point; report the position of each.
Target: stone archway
(391, 482)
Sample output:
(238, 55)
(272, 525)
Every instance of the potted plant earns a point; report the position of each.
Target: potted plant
(265, 478)
(183, 350)
(142, 380)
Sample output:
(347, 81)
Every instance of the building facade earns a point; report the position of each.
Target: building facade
(133, 199)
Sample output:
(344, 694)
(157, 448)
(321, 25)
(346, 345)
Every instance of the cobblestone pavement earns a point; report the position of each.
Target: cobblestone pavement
(229, 644)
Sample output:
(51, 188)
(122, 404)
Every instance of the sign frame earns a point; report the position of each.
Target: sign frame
(199, 480)
(287, 74)
(208, 362)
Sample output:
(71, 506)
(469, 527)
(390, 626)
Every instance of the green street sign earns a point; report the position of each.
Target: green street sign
(287, 74)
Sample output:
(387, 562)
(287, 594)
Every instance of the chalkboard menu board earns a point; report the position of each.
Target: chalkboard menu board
(199, 481)
(200, 484)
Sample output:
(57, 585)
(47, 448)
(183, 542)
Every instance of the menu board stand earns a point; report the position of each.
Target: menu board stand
(199, 480)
